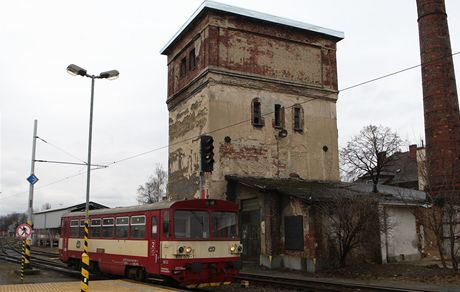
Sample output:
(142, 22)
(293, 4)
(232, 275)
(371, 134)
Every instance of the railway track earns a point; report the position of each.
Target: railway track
(11, 253)
(44, 253)
(320, 285)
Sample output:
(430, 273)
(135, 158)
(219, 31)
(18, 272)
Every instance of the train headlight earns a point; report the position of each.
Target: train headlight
(236, 248)
(180, 249)
(188, 249)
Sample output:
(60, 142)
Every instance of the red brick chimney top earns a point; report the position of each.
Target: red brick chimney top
(413, 151)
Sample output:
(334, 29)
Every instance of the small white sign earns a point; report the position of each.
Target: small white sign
(24, 230)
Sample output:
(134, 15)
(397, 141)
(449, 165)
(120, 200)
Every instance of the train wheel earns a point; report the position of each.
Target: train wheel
(74, 264)
(140, 274)
(135, 273)
(93, 267)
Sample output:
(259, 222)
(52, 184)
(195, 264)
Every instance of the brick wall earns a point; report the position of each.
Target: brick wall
(442, 118)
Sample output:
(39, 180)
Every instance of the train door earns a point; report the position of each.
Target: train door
(63, 239)
(154, 243)
(250, 230)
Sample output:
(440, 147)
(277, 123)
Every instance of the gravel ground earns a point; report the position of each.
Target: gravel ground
(238, 287)
(391, 273)
(8, 275)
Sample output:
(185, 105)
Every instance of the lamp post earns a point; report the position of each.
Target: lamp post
(112, 74)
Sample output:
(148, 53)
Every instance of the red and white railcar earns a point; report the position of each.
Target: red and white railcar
(193, 242)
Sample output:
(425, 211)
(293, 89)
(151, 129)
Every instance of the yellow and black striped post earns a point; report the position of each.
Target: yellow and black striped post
(85, 260)
(27, 254)
(23, 260)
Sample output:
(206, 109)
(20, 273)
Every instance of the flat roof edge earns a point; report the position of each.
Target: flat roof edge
(255, 15)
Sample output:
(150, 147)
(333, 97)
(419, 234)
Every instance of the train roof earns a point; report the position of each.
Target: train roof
(147, 207)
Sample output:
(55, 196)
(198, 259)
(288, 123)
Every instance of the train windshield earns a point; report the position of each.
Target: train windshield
(191, 224)
(224, 225)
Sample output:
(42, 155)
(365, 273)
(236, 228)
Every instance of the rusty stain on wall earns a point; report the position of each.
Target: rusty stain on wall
(239, 59)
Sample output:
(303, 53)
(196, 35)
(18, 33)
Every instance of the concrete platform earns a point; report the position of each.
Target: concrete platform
(94, 286)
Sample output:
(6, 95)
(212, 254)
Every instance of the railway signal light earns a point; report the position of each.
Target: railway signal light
(207, 153)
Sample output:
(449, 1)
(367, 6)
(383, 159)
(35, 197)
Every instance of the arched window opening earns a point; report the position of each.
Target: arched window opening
(298, 119)
(192, 60)
(256, 112)
(278, 122)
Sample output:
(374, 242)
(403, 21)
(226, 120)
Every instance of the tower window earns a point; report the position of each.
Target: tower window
(192, 60)
(279, 116)
(183, 67)
(256, 109)
(297, 112)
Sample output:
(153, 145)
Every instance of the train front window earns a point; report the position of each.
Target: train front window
(191, 224)
(224, 225)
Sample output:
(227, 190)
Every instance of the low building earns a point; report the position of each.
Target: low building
(47, 224)
(282, 224)
(404, 169)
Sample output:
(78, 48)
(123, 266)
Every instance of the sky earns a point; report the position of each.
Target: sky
(39, 39)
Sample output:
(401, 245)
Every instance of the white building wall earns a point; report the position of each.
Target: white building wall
(400, 241)
(50, 219)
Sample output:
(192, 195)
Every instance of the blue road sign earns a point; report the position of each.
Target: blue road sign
(32, 179)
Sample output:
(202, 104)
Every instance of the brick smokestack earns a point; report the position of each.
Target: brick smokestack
(440, 101)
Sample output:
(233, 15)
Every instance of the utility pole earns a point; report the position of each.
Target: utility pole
(32, 180)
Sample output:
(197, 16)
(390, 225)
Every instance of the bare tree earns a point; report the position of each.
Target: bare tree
(443, 219)
(449, 206)
(439, 215)
(369, 152)
(155, 188)
(12, 220)
(349, 220)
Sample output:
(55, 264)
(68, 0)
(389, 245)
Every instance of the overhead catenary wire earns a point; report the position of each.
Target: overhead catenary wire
(299, 103)
(60, 149)
(245, 121)
(81, 172)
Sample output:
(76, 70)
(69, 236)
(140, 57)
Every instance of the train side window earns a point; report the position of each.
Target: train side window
(95, 228)
(138, 227)
(121, 230)
(154, 227)
(166, 224)
(107, 228)
(81, 230)
(74, 228)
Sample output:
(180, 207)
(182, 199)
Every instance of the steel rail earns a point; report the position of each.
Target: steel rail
(321, 285)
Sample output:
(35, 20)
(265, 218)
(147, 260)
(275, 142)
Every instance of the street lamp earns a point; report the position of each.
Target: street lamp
(112, 74)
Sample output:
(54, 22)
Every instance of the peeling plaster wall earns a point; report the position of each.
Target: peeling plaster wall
(270, 57)
(259, 151)
(186, 123)
(239, 59)
(294, 207)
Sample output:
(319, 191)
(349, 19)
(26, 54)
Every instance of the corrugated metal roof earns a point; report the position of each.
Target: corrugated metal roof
(154, 206)
(92, 205)
(323, 190)
(252, 14)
